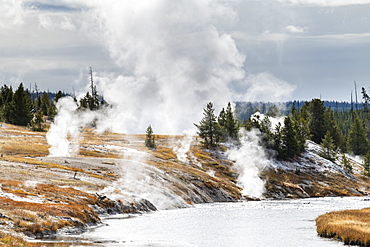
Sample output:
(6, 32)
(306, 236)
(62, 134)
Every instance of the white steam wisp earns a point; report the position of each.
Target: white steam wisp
(64, 134)
(183, 146)
(250, 158)
(65, 125)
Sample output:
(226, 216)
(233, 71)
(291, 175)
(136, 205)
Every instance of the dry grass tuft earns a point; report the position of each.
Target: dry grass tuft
(350, 226)
(7, 239)
(46, 206)
(164, 153)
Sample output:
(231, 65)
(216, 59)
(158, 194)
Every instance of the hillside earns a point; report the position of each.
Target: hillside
(311, 175)
(116, 173)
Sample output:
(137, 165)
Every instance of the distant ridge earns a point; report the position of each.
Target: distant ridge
(247, 109)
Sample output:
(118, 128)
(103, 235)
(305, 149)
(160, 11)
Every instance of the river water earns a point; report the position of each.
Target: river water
(258, 223)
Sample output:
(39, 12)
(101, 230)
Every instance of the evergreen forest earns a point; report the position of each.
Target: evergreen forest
(342, 129)
(337, 127)
(31, 109)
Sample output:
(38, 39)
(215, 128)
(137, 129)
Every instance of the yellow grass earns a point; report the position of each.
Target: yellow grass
(164, 153)
(61, 204)
(350, 226)
(62, 207)
(9, 240)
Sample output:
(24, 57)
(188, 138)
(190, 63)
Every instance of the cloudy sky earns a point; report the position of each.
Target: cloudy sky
(267, 50)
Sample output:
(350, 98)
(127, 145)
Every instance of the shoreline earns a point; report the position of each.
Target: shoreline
(111, 172)
(349, 226)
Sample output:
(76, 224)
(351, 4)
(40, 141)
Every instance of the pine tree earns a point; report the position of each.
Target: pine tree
(150, 138)
(328, 147)
(294, 112)
(221, 119)
(366, 164)
(6, 96)
(231, 124)
(317, 123)
(20, 107)
(228, 125)
(366, 99)
(277, 141)
(89, 101)
(334, 130)
(208, 128)
(289, 141)
(58, 96)
(37, 122)
(301, 125)
(346, 164)
(302, 134)
(357, 137)
(45, 104)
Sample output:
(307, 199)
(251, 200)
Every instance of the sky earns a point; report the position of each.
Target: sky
(251, 50)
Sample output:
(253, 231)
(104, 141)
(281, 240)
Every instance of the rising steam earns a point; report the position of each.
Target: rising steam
(172, 58)
(173, 61)
(250, 158)
(64, 130)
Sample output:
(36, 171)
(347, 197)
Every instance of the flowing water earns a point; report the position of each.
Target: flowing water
(259, 223)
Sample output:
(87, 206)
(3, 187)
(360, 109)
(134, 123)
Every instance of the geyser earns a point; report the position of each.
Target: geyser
(250, 158)
(173, 59)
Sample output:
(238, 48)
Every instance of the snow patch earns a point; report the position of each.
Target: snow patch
(311, 161)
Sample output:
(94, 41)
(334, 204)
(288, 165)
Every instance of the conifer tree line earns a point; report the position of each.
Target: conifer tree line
(335, 131)
(92, 100)
(213, 129)
(25, 108)
(21, 107)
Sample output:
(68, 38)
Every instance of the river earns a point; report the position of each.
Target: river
(254, 223)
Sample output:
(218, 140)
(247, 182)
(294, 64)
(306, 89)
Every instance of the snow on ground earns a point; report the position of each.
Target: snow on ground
(114, 148)
(31, 199)
(311, 161)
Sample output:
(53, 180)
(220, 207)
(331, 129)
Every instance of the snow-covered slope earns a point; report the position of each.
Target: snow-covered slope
(311, 175)
(312, 161)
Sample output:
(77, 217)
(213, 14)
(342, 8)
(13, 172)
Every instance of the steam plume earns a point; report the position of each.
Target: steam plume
(172, 58)
(65, 125)
(250, 158)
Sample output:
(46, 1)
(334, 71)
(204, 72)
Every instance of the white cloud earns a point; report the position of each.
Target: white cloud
(294, 29)
(12, 13)
(329, 3)
(345, 36)
(66, 24)
(53, 21)
(46, 22)
(265, 87)
(265, 36)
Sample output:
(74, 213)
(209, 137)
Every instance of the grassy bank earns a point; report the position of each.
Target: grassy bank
(41, 195)
(350, 226)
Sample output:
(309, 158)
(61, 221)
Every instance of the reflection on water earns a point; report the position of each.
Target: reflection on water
(263, 223)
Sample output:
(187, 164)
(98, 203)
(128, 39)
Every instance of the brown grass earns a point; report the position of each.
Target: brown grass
(64, 206)
(335, 184)
(7, 239)
(350, 226)
(164, 153)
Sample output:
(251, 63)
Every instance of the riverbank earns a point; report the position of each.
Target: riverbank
(111, 173)
(239, 224)
(352, 227)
